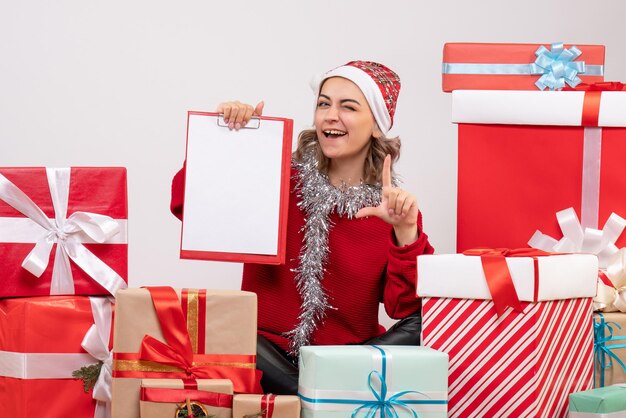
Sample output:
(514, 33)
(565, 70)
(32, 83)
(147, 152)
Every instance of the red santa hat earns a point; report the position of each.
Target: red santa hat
(379, 84)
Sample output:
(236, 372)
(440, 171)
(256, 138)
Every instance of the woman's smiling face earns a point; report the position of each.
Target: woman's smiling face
(343, 121)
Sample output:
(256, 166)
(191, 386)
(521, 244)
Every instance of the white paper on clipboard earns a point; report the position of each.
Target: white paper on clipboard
(232, 186)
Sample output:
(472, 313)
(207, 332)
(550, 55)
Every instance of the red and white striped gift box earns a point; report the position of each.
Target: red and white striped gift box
(518, 364)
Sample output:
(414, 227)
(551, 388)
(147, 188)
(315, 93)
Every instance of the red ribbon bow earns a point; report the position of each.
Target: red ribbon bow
(178, 351)
(498, 276)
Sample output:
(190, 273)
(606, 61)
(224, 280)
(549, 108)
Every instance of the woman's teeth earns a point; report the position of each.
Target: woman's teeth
(333, 133)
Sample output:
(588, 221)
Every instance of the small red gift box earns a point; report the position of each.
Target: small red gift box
(488, 66)
(63, 231)
(41, 345)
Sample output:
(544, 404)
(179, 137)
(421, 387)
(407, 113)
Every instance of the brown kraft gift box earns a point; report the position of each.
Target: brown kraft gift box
(188, 334)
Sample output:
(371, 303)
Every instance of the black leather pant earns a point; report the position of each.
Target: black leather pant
(280, 372)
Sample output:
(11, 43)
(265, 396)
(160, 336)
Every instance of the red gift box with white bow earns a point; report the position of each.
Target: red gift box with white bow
(63, 231)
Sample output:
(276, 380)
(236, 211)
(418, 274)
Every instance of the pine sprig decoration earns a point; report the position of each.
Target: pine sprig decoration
(257, 415)
(89, 375)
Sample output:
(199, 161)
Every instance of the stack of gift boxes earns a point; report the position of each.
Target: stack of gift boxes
(62, 234)
(508, 324)
(75, 341)
(69, 348)
(540, 137)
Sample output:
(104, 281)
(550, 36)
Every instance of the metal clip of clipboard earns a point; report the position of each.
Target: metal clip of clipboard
(254, 123)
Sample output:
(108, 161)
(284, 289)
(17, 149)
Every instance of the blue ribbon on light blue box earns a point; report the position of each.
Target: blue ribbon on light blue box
(602, 334)
(556, 66)
(383, 405)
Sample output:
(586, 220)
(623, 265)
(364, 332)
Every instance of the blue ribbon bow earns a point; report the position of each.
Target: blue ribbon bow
(604, 355)
(557, 67)
(385, 406)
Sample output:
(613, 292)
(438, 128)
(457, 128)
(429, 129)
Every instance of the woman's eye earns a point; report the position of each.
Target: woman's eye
(350, 108)
(322, 104)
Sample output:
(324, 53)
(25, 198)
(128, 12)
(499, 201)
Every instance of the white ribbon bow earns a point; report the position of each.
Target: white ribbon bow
(610, 298)
(65, 232)
(611, 260)
(96, 343)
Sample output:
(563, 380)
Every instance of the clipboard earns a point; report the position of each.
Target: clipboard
(236, 189)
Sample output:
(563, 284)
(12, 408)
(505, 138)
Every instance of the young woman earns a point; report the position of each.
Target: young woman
(353, 235)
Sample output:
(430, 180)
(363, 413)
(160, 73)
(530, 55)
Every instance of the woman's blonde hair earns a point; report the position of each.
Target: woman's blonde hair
(373, 168)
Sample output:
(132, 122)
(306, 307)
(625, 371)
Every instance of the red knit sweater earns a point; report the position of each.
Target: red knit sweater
(364, 268)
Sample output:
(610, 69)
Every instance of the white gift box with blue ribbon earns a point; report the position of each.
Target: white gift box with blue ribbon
(373, 381)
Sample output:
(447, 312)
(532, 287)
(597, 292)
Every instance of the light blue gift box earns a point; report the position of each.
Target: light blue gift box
(373, 381)
(606, 402)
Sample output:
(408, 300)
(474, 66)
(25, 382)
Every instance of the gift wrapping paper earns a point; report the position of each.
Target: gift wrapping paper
(266, 406)
(525, 156)
(182, 334)
(607, 402)
(160, 398)
(342, 381)
(519, 365)
(610, 348)
(516, 362)
(63, 231)
(492, 66)
(41, 342)
(535, 278)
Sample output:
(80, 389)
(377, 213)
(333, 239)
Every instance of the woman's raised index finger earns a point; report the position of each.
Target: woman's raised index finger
(387, 171)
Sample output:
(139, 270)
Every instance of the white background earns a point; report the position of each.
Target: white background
(97, 83)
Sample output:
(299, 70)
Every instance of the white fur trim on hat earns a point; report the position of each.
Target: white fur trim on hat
(368, 87)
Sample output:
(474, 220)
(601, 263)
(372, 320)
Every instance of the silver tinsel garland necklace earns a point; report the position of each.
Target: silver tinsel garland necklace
(318, 199)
